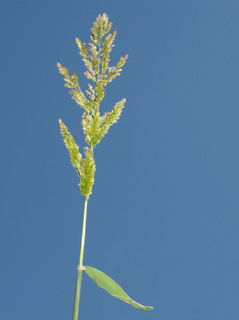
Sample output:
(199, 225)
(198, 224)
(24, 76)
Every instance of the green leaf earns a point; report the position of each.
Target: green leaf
(108, 284)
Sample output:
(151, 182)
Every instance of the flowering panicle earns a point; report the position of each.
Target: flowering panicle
(96, 59)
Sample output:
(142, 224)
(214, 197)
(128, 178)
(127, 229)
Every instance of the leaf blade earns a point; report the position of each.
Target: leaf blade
(110, 286)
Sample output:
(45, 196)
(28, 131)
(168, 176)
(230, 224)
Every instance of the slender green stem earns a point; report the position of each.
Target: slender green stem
(80, 266)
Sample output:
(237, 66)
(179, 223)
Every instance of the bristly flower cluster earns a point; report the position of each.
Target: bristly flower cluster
(84, 168)
(94, 125)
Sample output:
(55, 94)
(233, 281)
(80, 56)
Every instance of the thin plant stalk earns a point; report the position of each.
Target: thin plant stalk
(80, 266)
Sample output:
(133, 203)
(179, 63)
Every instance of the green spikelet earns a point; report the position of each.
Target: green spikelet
(76, 158)
(88, 173)
(91, 127)
(111, 117)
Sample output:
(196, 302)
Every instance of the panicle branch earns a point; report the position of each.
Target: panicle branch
(72, 83)
(84, 168)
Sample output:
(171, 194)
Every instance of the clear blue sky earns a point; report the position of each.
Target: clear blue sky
(163, 219)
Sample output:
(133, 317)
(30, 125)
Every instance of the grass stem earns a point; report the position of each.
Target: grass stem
(80, 266)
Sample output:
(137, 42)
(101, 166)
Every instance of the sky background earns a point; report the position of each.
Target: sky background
(163, 218)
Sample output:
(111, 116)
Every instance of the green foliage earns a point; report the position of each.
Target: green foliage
(109, 285)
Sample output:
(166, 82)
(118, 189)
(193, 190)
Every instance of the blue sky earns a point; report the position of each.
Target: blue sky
(164, 214)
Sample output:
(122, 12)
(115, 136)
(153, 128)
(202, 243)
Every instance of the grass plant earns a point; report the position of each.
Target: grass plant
(95, 126)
